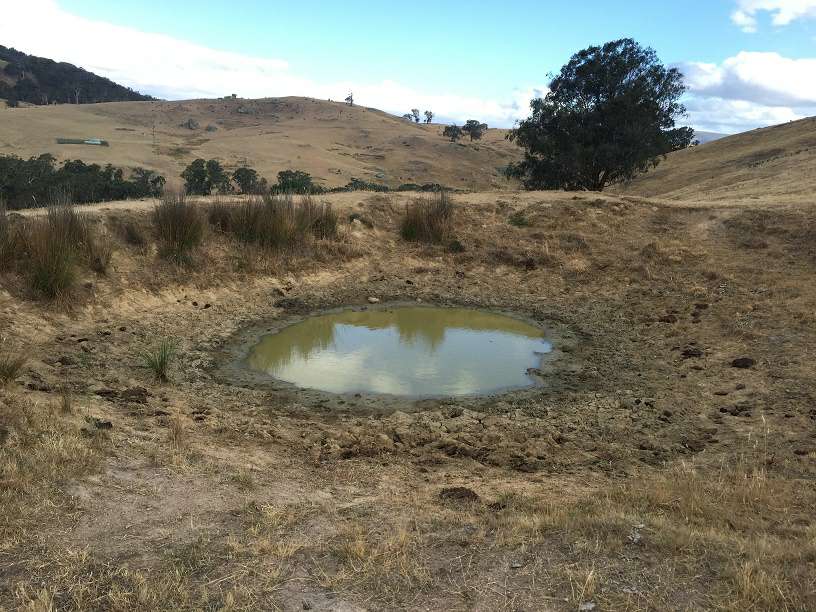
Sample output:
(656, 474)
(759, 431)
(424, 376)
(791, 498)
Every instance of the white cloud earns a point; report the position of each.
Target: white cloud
(765, 78)
(782, 12)
(730, 116)
(749, 90)
(175, 69)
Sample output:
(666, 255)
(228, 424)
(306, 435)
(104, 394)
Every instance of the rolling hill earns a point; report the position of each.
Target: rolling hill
(774, 163)
(330, 140)
(39, 80)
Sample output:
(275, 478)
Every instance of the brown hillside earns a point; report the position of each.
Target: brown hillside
(770, 164)
(330, 140)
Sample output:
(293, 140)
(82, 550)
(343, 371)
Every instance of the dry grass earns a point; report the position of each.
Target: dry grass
(132, 234)
(50, 249)
(55, 246)
(277, 222)
(10, 366)
(179, 226)
(99, 251)
(429, 219)
(176, 434)
(6, 239)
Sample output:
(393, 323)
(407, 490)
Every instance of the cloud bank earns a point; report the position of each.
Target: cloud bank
(750, 89)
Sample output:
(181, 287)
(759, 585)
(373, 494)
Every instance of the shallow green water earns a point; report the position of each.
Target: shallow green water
(408, 351)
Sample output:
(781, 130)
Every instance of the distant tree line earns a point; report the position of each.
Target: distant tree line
(38, 80)
(39, 181)
(204, 177)
(415, 116)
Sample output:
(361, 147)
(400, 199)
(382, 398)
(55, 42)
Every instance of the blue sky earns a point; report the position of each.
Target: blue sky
(748, 62)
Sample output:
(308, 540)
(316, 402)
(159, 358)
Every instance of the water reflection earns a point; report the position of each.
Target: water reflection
(416, 351)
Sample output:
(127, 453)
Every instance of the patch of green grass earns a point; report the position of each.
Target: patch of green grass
(159, 359)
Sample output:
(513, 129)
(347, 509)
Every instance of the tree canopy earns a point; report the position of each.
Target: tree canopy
(609, 115)
(474, 129)
(38, 181)
(453, 131)
(295, 181)
(248, 180)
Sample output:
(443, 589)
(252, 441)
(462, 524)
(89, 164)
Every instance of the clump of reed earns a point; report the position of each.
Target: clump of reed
(428, 220)
(276, 222)
(179, 226)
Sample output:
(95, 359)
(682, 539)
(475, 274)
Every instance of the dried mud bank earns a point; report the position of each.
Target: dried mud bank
(668, 462)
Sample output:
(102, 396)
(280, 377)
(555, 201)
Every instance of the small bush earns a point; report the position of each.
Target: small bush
(428, 220)
(179, 227)
(10, 366)
(158, 360)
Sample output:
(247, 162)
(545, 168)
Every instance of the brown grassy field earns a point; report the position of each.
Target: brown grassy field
(649, 473)
(766, 166)
(330, 140)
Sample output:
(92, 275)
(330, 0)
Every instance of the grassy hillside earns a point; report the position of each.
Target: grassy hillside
(330, 140)
(769, 163)
(39, 80)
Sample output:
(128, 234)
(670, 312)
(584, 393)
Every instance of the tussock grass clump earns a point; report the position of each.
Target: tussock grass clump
(158, 360)
(179, 226)
(279, 222)
(429, 220)
(10, 366)
(55, 245)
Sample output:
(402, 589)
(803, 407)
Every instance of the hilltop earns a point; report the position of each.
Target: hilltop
(39, 80)
(332, 141)
(768, 163)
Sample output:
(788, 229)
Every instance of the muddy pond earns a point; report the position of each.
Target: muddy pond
(411, 351)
